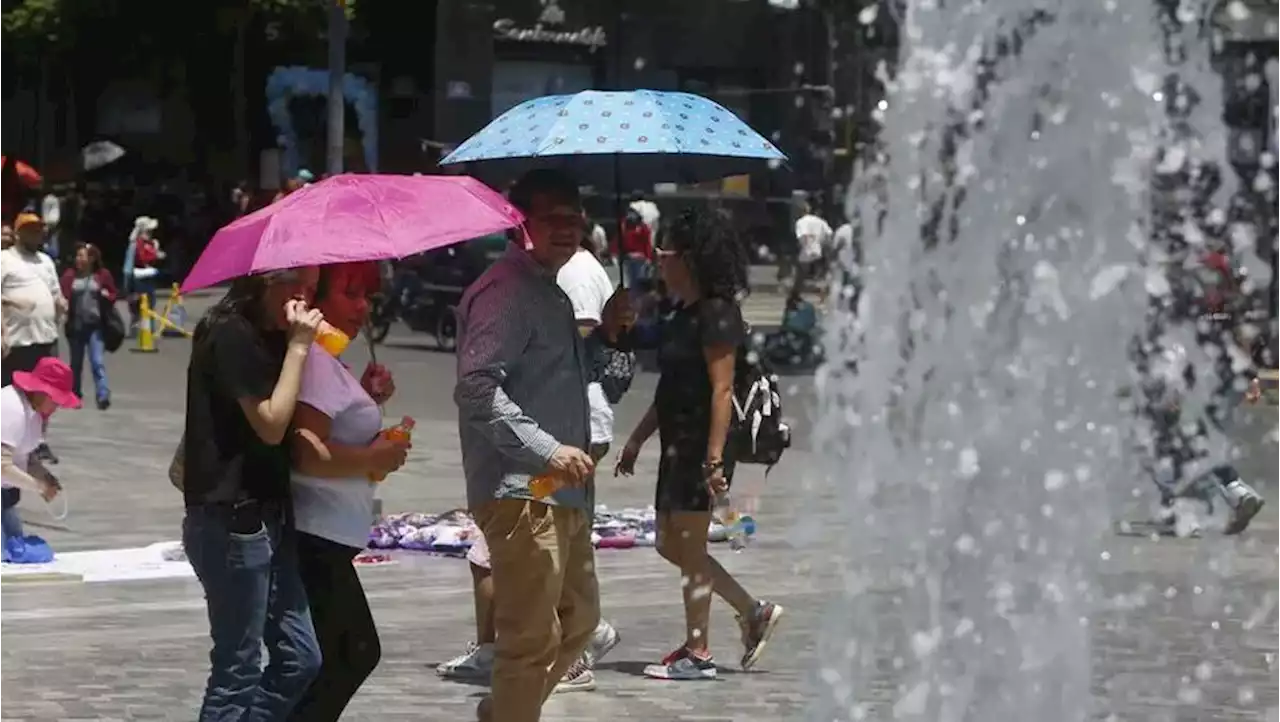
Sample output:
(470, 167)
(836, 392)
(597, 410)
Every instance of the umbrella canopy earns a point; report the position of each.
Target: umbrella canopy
(639, 137)
(354, 218)
(100, 153)
(29, 176)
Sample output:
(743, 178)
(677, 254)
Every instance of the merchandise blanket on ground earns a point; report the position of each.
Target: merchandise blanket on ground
(453, 532)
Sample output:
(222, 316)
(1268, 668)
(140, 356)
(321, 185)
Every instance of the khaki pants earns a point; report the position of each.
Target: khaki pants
(546, 602)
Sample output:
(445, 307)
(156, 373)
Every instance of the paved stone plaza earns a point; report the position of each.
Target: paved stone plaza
(137, 650)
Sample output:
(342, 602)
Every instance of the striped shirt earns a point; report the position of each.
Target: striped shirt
(522, 381)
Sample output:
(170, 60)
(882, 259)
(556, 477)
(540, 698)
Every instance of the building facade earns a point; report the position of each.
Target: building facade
(747, 55)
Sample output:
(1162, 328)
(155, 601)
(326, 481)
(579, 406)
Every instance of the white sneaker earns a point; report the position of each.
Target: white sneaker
(578, 678)
(1180, 522)
(475, 663)
(602, 642)
(1245, 504)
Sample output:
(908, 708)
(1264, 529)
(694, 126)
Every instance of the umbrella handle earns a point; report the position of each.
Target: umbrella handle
(373, 347)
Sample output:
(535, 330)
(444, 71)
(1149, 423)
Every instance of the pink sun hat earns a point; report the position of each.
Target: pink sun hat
(51, 377)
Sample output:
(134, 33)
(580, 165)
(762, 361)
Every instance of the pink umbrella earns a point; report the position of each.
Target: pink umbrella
(354, 218)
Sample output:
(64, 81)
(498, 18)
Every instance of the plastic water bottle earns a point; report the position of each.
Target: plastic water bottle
(738, 527)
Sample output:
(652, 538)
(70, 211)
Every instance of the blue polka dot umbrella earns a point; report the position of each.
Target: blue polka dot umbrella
(637, 137)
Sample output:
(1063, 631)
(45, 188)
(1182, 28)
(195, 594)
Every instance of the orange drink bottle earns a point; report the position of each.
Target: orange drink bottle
(332, 339)
(544, 485)
(402, 431)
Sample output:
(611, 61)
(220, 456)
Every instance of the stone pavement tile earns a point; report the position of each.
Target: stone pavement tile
(107, 637)
(132, 650)
(138, 650)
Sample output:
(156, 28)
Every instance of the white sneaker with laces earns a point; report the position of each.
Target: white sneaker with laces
(602, 642)
(1245, 504)
(578, 678)
(475, 663)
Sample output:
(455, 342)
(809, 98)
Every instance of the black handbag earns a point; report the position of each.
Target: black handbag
(612, 366)
(113, 326)
(616, 372)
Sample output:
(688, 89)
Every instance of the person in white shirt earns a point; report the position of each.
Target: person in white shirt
(589, 288)
(337, 454)
(25, 407)
(31, 297)
(599, 240)
(813, 237)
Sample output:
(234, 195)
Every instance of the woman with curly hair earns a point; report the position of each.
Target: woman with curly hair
(704, 268)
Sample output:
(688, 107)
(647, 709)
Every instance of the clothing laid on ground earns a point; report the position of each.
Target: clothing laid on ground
(683, 399)
(522, 382)
(589, 288)
(226, 462)
(348, 637)
(336, 509)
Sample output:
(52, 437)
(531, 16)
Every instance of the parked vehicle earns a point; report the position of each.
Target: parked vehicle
(424, 290)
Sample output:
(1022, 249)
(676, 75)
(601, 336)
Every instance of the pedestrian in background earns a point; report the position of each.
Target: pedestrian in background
(91, 294)
(337, 455)
(141, 259)
(814, 241)
(635, 252)
(25, 408)
(704, 268)
(243, 378)
(32, 302)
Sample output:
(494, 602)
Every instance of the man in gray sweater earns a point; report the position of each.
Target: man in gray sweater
(523, 415)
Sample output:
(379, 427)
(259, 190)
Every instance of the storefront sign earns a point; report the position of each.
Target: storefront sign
(591, 38)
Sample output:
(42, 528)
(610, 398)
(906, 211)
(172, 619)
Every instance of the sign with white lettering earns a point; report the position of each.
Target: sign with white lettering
(548, 29)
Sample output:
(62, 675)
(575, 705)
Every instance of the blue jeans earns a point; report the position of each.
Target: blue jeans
(91, 340)
(10, 519)
(254, 595)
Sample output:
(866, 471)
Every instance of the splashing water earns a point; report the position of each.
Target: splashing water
(968, 412)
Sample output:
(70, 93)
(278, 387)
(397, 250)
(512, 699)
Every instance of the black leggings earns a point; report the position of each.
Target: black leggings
(349, 644)
(24, 358)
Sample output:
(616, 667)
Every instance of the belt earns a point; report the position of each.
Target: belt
(267, 507)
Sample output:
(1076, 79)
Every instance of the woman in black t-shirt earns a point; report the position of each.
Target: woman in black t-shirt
(704, 268)
(242, 386)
